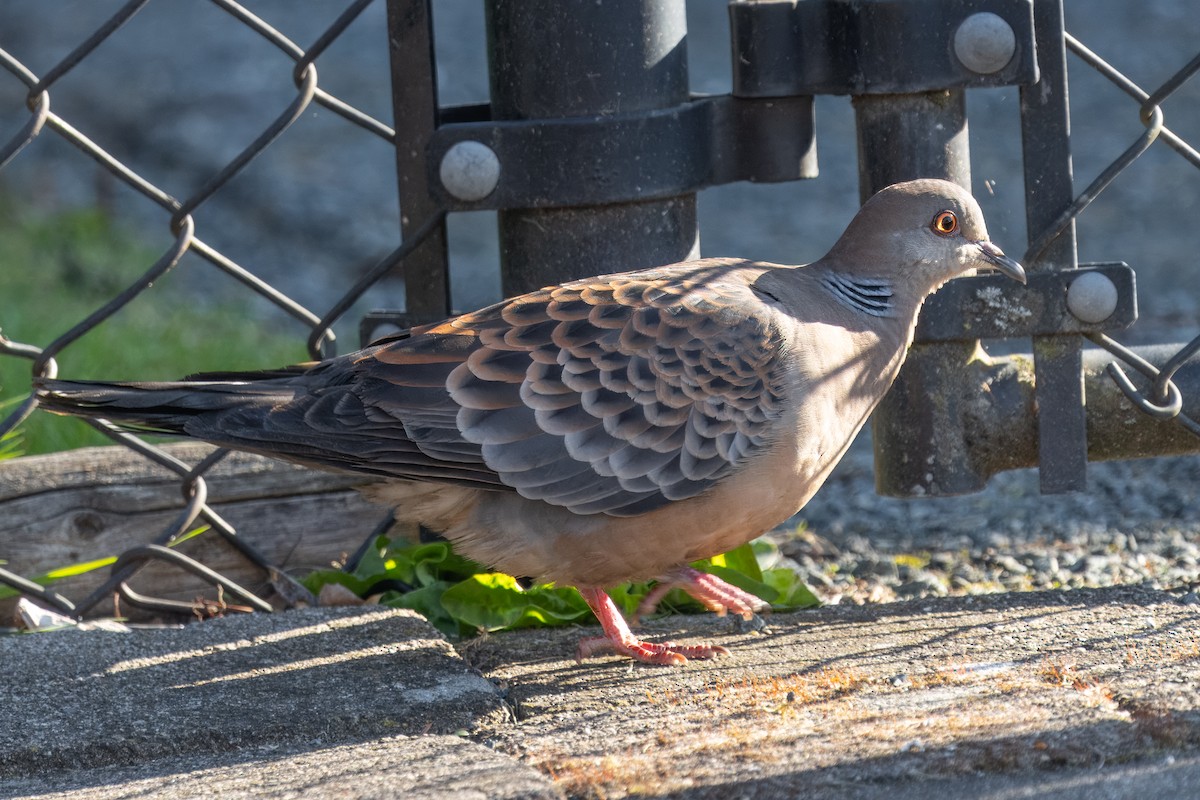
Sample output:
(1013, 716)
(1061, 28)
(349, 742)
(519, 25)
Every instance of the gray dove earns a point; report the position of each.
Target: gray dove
(612, 428)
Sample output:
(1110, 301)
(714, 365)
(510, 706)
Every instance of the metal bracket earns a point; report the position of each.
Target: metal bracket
(859, 47)
(785, 52)
(601, 159)
(993, 307)
(965, 309)
(379, 323)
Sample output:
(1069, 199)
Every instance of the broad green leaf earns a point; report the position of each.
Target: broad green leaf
(791, 591)
(740, 560)
(427, 601)
(373, 564)
(458, 596)
(437, 560)
(315, 580)
(494, 601)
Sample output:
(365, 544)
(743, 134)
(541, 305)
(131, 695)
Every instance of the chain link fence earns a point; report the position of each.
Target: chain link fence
(179, 216)
(1163, 400)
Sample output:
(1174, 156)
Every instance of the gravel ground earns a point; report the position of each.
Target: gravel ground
(1138, 523)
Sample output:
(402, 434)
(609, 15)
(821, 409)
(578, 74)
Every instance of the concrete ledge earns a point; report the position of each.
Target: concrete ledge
(1087, 693)
(315, 678)
(1015, 686)
(400, 767)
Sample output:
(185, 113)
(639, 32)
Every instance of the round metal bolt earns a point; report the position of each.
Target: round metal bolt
(470, 170)
(1092, 297)
(984, 43)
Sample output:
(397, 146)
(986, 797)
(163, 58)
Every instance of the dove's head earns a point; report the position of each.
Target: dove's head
(927, 230)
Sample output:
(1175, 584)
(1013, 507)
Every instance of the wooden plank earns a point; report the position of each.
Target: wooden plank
(86, 504)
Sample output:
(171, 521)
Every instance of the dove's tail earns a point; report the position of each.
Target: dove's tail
(187, 408)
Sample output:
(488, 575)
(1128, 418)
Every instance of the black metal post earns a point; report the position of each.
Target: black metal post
(1045, 139)
(917, 430)
(415, 105)
(906, 136)
(550, 59)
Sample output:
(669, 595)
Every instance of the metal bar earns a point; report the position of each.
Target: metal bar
(919, 447)
(43, 593)
(642, 155)
(906, 136)
(81, 52)
(1045, 138)
(549, 59)
(415, 106)
(136, 557)
(323, 332)
(1003, 423)
(991, 307)
(843, 47)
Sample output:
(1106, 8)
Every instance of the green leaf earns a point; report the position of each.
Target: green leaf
(791, 591)
(459, 597)
(11, 443)
(427, 601)
(780, 587)
(69, 571)
(741, 561)
(494, 601)
(373, 565)
(434, 561)
(314, 581)
(76, 569)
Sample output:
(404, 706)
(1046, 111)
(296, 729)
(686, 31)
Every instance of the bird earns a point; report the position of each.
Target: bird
(608, 429)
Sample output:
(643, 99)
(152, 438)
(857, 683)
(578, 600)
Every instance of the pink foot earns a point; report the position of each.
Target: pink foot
(714, 593)
(618, 638)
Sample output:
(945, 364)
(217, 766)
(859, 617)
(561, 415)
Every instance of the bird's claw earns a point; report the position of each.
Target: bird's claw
(618, 638)
(709, 590)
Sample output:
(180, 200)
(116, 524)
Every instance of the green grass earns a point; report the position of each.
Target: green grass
(56, 270)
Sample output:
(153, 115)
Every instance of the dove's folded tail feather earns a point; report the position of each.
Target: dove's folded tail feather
(270, 413)
(163, 407)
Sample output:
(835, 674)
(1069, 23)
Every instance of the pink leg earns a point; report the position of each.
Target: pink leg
(617, 637)
(714, 593)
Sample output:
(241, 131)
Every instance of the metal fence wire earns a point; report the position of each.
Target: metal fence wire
(1162, 398)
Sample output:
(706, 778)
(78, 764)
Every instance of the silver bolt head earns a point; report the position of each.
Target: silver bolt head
(984, 43)
(470, 171)
(1092, 297)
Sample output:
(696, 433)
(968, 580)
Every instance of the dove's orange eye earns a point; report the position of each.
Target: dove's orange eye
(944, 223)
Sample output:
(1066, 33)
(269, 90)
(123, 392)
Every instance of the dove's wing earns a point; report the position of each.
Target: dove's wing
(615, 395)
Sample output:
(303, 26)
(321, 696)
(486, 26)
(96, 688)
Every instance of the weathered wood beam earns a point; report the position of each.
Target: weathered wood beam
(86, 504)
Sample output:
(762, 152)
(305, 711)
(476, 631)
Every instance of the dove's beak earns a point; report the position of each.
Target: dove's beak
(996, 258)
